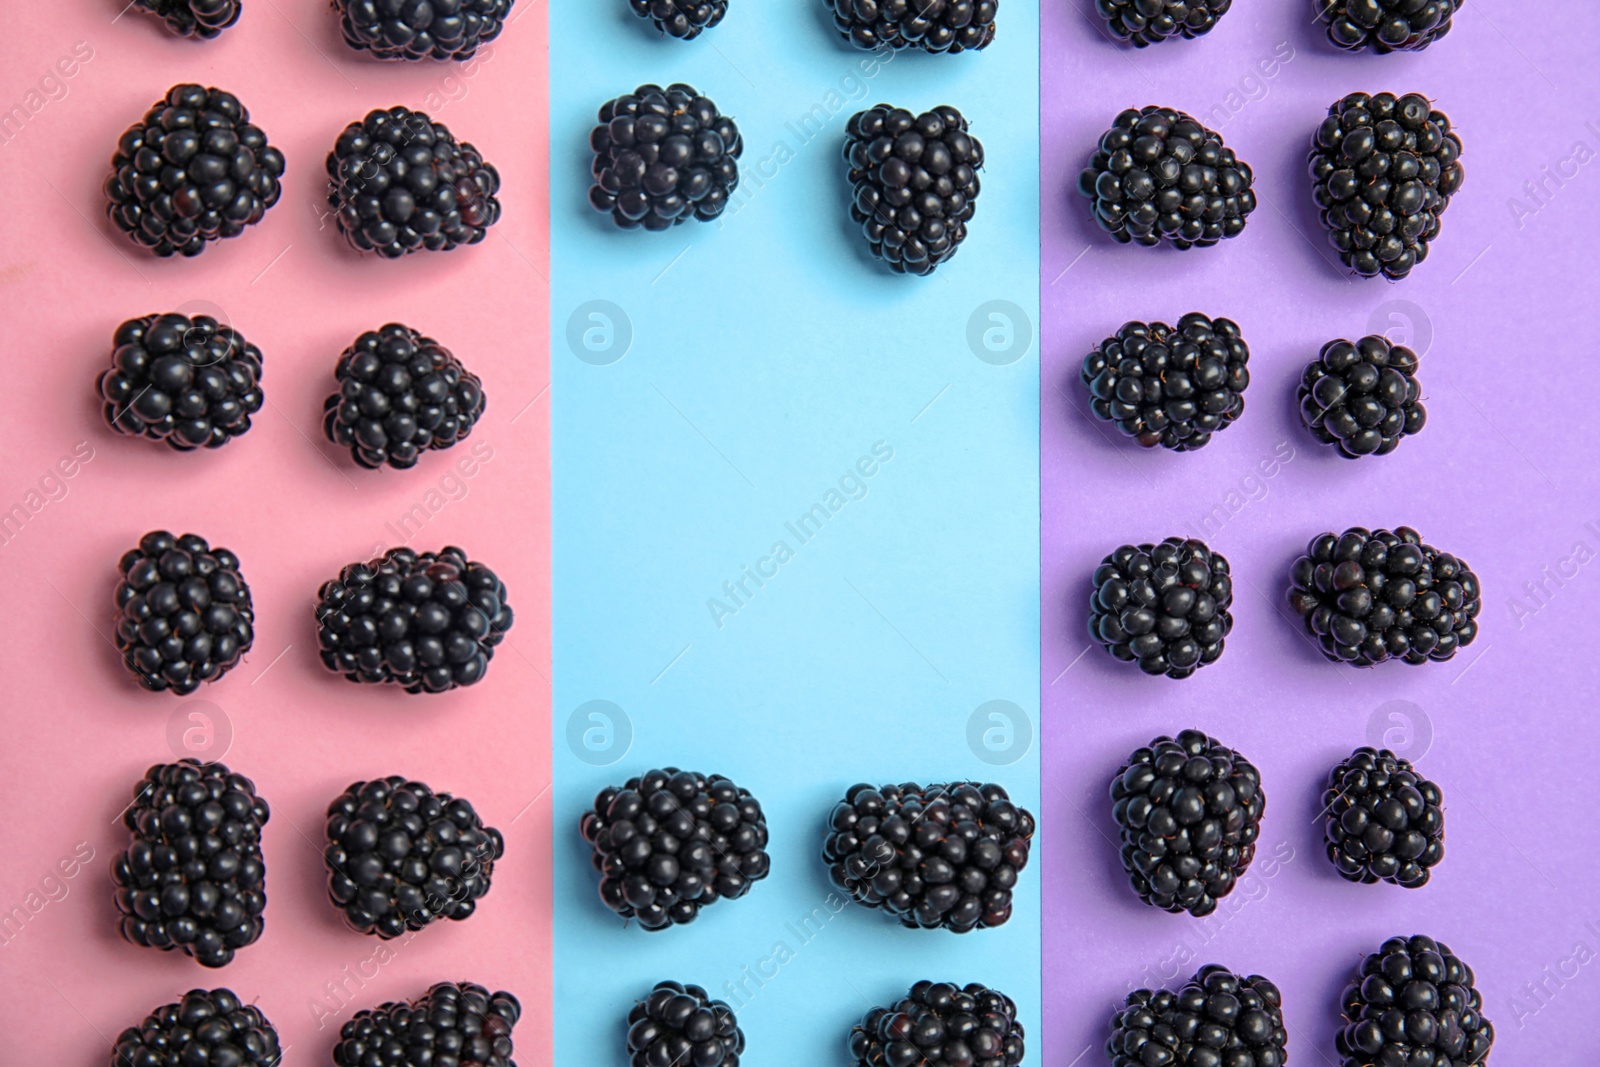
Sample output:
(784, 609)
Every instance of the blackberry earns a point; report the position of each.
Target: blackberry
(203, 19)
(454, 1023)
(421, 29)
(184, 613)
(681, 1024)
(1372, 595)
(937, 856)
(398, 183)
(671, 842)
(208, 1026)
(1170, 386)
(931, 25)
(428, 622)
(663, 157)
(1362, 396)
(1216, 1018)
(400, 394)
(193, 877)
(1190, 811)
(914, 183)
(1386, 25)
(1163, 606)
(940, 1024)
(1384, 169)
(683, 19)
(192, 171)
(1159, 175)
(1385, 821)
(192, 383)
(1147, 22)
(1413, 1002)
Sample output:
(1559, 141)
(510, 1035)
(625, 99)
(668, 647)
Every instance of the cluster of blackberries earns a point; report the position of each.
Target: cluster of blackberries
(1362, 396)
(929, 25)
(1413, 1002)
(208, 1026)
(1147, 22)
(189, 382)
(454, 1024)
(1384, 820)
(184, 614)
(421, 29)
(1386, 25)
(1169, 386)
(680, 1024)
(1163, 606)
(202, 19)
(663, 157)
(683, 19)
(1216, 1018)
(939, 1024)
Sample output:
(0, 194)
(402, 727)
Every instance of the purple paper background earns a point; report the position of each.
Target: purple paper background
(1505, 475)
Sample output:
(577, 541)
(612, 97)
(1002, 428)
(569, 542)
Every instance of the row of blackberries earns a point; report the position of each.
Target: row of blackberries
(417, 29)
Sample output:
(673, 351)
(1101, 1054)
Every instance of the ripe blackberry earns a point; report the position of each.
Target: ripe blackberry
(914, 183)
(940, 1024)
(184, 614)
(663, 157)
(1362, 396)
(421, 29)
(1385, 821)
(454, 1023)
(1386, 25)
(208, 1026)
(1384, 168)
(192, 171)
(400, 395)
(1171, 387)
(931, 25)
(1163, 606)
(671, 842)
(191, 383)
(1190, 811)
(1372, 595)
(203, 19)
(683, 19)
(1159, 175)
(937, 856)
(1216, 1018)
(193, 877)
(398, 183)
(681, 1024)
(1413, 1002)
(427, 622)
(1147, 22)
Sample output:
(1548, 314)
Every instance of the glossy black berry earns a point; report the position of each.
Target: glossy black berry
(1159, 175)
(930, 25)
(671, 842)
(1189, 809)
(1384, 169)
(455, 1024)
(663, 157)
(193, 877)
(398, 183)
(1413, 1002)
(940, 1024)
(184, 614)
(201, 19)
(683, 19)
(681, 1026)
(191, 383)
(400, 394)
(428, 622)
(1373, 595)
(1362, 396)
(1147, 22)
(1216, 1018)
(936, 857)
(1386, 25)
(913, 183)
(1385, 822)
(1163, 606)
(208, 1026)
(192, 171)
(1169, 386)
(421, 29)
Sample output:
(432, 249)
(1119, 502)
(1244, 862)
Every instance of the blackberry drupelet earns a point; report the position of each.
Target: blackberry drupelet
(1372, 595)
(421, 29)
(936, 857)
(1159, 175)
(455, 1024)
(191, 383)
(680, 1024)
(202, 19)
(671, 842)
(1362, 396)
(1163, 606)
(663, 157)
(193, 877)
(184, 614)
(400, 394)
(1147, 22)
(1216, 1018)
(400, 856)
(1170, 386)
(1413, 1002)
(940, 1024)
(398, 183)
(914, 183)
(428, 622)
(1384, 169)
(1386, 25)
(683, 19)
(208, 1026)
(931, 25)
(192, 171)
(1190, 811)
(1385, 821)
